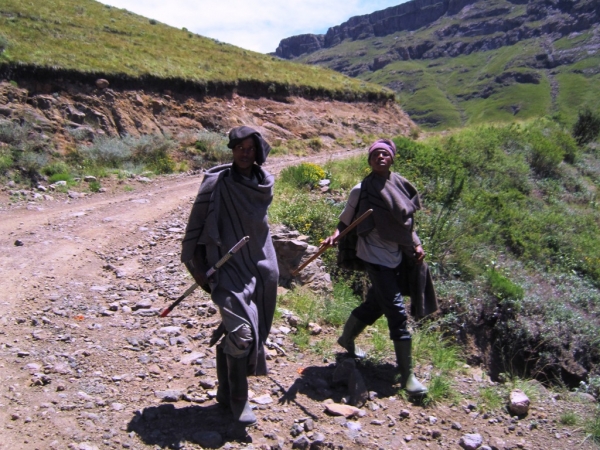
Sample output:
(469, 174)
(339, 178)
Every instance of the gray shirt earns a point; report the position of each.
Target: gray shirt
(371, 248)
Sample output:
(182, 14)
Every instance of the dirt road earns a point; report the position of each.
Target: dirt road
(87, 364)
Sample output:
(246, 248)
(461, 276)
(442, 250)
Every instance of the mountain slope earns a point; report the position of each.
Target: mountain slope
(461, 62)
(91, 38)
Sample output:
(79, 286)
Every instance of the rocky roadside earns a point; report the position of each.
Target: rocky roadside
(86, 362)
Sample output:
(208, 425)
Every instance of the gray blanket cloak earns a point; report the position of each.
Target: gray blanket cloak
(227, 208)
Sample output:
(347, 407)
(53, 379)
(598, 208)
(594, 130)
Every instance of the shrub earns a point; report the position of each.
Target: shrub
(303, 174)
(152, 151)
(316, 144)
(94, 186)
(546, 154)
(587, 126)
(314, 217)
(57, 167)
(502, 287)
(30, 165)
(212, 147)
(3, 43)
(6, 160)
(60, 177)
(106, 151)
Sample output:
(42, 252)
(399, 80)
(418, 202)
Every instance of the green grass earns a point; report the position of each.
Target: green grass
(89, 37)
(592, 427)
(450, 92)
(511, 239)
(569, 418)
(490, 399)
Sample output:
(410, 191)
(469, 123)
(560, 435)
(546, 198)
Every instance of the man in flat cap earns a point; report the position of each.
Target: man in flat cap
(232, 203)
(385, 238)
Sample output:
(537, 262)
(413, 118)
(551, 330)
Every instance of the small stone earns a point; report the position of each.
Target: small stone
(297, 429)
(471, 441)
(337, 409)
(309, 425)
(102, 83)
(262, 400)
(301, 442)
(519, 402)
(19, 243)
(169, 396)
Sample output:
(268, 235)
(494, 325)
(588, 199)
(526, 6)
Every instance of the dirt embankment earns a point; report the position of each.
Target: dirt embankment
(67, 110)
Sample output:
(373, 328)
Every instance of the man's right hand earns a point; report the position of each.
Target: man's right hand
(200, 277)
(331, 239)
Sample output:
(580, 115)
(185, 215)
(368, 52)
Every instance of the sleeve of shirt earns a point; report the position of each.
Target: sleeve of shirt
(416, 240)
(350, 209)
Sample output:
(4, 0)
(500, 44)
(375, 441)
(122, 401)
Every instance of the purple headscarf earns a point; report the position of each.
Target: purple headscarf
(383, 144)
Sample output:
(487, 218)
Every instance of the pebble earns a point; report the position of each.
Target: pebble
(338, 409)
(471, 441)
(262, 400)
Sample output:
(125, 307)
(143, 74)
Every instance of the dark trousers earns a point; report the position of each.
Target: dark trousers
(384, 298)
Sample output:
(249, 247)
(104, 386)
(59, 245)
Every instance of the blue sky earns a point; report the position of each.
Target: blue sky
(256, 25)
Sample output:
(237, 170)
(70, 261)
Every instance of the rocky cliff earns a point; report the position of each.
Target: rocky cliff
(67, 109)
(445, 59)
(496, 24)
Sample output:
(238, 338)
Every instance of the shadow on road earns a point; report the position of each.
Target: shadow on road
(169, 427)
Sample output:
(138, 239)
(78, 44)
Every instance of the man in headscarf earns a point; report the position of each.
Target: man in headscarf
(384, 239)
(232, 203)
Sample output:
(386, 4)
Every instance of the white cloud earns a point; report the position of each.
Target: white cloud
(256, 25)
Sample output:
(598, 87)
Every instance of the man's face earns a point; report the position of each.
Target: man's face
(380, 161)
(244, 154)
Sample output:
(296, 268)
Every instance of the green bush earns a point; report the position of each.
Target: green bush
(212, 147)
(3, 43)
(313, 216)
(303, 174)
(546, 154)
(6, 160)
(502, 287)
(316, 144)
(56, 167)
(94, 186)
(587, 126)
(60, 177)
(153, 152)
(106, 151)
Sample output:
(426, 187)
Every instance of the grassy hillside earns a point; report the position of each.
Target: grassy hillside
(510, 226)
(89, 37)
(494, 80)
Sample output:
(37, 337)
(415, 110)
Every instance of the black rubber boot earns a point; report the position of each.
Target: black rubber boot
(408, 380)
(352, 329)
(222, 376)
(238, 390)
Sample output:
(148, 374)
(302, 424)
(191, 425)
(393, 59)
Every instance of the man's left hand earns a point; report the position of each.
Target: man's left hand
(419, 254)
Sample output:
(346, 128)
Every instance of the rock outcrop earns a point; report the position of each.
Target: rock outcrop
(71, 113)
(471, 26)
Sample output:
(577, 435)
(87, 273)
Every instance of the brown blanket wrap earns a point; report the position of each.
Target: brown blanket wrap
(227, 208)
(394, 202)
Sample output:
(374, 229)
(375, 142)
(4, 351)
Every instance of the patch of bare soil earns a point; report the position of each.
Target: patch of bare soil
(86, 363)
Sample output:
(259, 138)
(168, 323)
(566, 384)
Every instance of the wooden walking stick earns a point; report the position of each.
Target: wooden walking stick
(210, 272)
(325, 246)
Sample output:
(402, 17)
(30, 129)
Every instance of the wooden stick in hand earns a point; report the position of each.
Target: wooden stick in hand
(326, 246)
